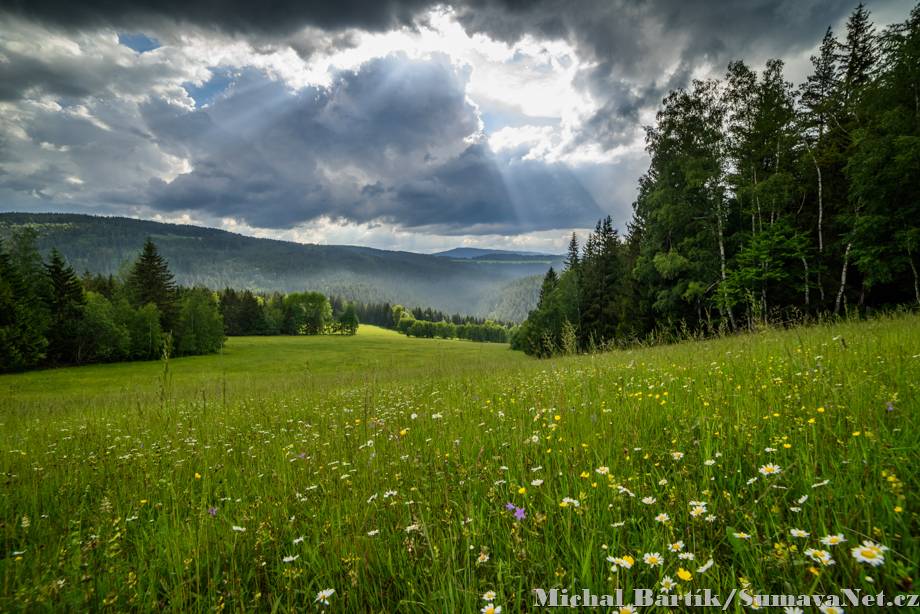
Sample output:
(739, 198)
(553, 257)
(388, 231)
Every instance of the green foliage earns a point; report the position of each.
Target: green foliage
(200, 327)
(146, 333)
(21, 341)
(151, 281)
(348, 321)
(99, 336)
(760, 204)
(306, 313)
(66, 305)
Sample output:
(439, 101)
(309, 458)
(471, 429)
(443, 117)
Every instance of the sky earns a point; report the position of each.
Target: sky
(395, 124)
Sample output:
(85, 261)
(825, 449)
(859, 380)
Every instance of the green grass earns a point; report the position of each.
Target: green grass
(129, 503)
(259, 363)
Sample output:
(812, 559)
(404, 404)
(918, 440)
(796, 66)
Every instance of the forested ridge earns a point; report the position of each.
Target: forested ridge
(763, 202)
(219, 259)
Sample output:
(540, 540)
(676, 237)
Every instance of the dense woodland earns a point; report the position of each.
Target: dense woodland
(762, 202)
(50, 316)
(212, 258)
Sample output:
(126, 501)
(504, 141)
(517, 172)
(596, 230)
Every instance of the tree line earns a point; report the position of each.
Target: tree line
(762, 202)
(51, 317)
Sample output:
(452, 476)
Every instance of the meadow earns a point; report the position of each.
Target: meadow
(412, 475)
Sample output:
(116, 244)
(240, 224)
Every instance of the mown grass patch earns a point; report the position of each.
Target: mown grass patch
(426, 491)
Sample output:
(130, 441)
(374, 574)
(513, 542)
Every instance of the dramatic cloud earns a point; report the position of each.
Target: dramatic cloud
(394, 124)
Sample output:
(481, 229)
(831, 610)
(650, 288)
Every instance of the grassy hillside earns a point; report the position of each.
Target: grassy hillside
(247, 362)
(217, 259)
(782, 462)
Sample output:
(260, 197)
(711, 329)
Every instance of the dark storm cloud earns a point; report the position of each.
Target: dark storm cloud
(641, 49)
(267, 16)
(384, 143)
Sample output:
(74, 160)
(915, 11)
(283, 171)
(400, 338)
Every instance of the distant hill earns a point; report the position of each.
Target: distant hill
(218, 259)
(473, 252)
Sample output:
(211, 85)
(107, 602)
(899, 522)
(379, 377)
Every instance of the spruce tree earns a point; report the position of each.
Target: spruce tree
(21, 340)
(571, 260)
(66, 304)
(151, 282)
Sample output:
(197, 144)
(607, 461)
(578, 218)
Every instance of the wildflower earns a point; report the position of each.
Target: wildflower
(649, 500)
(519, 513)
(697, 504)
(698, 511)
(483, 558)
(627, 609)
(869, 552)
(212, 511)
(831, 609)
(802, 499)
(662, 482)
(535, 439)
(677, 455)
(822, 556)
(686, 556)
(710, 518)
(197, 476)
(676, 546)
(568, 501)
(435, 416)
(662, 518)
(769, 449)
(652, 559)
(833, 540)
(290, 559)
(240, 529)
(489, 596)
(389, 493)
(667, 584)
(603, 470)
(324, 596)
(705, 568)
(374, 496)
(509, 506)
(491, 609)
(411, 527)
(617, 525)
(626, 562)
(684, 575)
(795, 509)
(769, 469)
(751, 481)
(298, 540)
(793, 610)
(798, 533)
(742, 536)
(709, 463)
(374, 532)
(536, 483)
(824, 483)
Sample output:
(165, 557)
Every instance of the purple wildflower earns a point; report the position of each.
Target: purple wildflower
(890, 408)
(519, 513)
(213, 511)
(510, 506)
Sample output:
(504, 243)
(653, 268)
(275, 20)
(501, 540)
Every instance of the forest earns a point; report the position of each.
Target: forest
(213, 258)
(50, 316)
(763, 202)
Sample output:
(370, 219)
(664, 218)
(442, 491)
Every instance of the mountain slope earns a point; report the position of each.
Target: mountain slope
(217, 259)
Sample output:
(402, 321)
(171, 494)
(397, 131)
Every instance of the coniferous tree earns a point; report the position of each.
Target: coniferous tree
(151, 282)
(66, 304)
(21, 341)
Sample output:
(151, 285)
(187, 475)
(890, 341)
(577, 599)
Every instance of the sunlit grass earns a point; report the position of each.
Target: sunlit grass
(425, 487)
